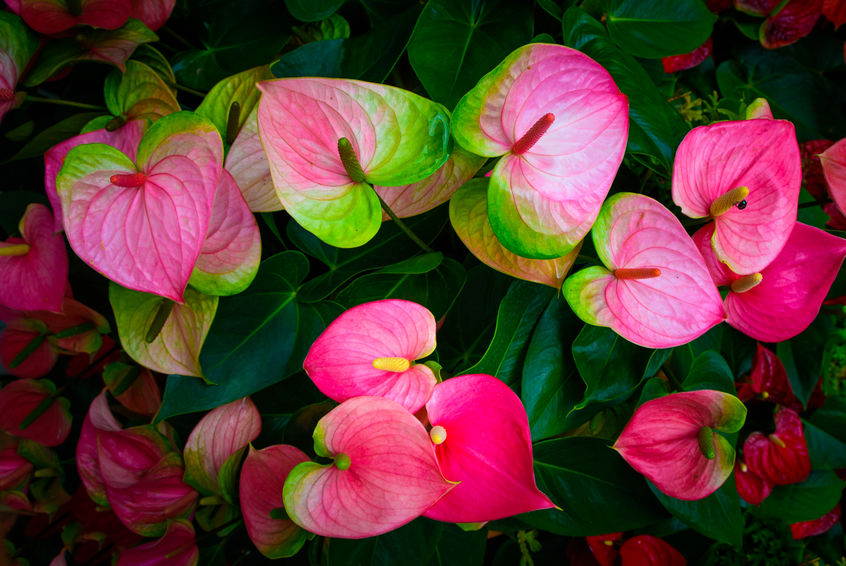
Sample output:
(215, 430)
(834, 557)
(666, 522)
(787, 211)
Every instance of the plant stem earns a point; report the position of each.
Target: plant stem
(177, 37)
(403, 226)
(188, 89)
(815, 203)
(61, 102)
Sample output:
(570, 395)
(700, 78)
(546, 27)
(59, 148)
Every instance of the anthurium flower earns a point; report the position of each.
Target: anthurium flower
(262, 504)
(53, 16)
(143, 226)
(25, 350)
(99, 419)
(482, 441)
(370, 350)
(746, 175)
(674, 441)
(357, 134)
(141, 396)
(384, 472)
(654, 289)
(833, 162)
(225, 431)
(816, 527)
(560, 123)
(835, 11)
(676, 63)
(17, 45)
(29, 409)
(247, 163)
(15, 470)
(137, 93)
(768, 381)
(782, 299)
(154, 13)
(177, 547)
(791, 23)
(34, 267)
(468, 213)
(750, 486)
(603, 548)
(643, 550)
(781, 457)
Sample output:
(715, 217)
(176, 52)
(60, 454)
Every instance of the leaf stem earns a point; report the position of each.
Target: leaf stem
(402, 226)
(187, 89)
(60, 102)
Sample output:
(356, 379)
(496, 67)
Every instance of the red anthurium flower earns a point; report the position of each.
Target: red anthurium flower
(750, 486)
(769, 378)
(24, 349)
(27, 412)
(648, 550)
(833, 161)
(370, 350)
(783, 298)
(835, 11)
(178, 547)
(603, 548)
(98, 420)
(34, 267)
(53, 16)
(482, 440)
(220, 434)
(262, 504)
(384, 472)
(780, 458)
(746, 175)
(154, 13)
(142, 396)
(688, 60)
(673, 441)
(806, 529)
(790, 24)
(812, 172)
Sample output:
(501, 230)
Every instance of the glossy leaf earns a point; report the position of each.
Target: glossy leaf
(717, 516)
(312, 10)
(804, 501)
(139, 93)
(239, 88)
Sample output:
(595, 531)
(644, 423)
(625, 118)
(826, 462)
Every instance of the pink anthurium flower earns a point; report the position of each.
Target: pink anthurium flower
(746, 175)
(833, 162)
(750, 486)
(674, 441)
(357, 134)
(654, 289)
(782, 299)
(247, 163)
(177, 547)
(262, 503)
(22, 413)
(482, 441)
(560, 123)
(34, 267)
(53, 16)
(154, 13)
(143, 226)
(25, 350)
(370, 350)
(142, 396)
(384, 472)
(816, 527)
(99, 419)
(781, 457)
(222, 433)
(15, 470)
(646, 550)
(17, 45)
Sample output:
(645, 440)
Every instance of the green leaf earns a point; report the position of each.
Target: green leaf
(258, 338)
(516, 318)
(825, 450)
(457, 41)
(655, 128)
(717, 516)
(802, 359)
(411, 545)
(596, 490)
(831, 418)
(710, 371)
(227, 477)
(312, 10)
(13, 205)
(239, 88)
(460, 548)
(551, 386)
(658, 28)
(805, 501)
(139, 92)
(57, 133)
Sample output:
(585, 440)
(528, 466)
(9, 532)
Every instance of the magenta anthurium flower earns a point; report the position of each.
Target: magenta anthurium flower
(99, 419)
(25, 350)
(247, 163)
(654, 289)
(357, 134)
(222, 433)
(560, 123)
(815, 527)
(53, 16)
(262, 503)
(20, 405)
(177, 547)
(674, 441)
(154, 13)
(34, 267)
(642, 550)
(746, 175)
(17, 45)
(833, 162)
(782, 299)
(143, 226)
(384, 472)
(482, 441)
(750, 486)
(781, 458)
(370, 350)
(15, 470)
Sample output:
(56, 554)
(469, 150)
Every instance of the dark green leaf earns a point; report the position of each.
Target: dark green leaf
(831, 418)
(594, 487)
(411, 545)
(717, 516)
(802, 359)
(13, 205)
(460, 548)
(710, 371)
(58, 132)
(825, 450)
(804, 501)
(312, 10)
(457, 41)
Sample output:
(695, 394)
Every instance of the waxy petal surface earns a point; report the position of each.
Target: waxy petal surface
(98, 419)
(261, 492)
(806, 529)
(14, 468)
(16, 337)
(750, 486)
(682, 303)
(676, 63)
(247, 163)
(488, 449)
(176, 348)
(833, 162)
(53, 16)
(468, 213)
(19, 398)
(790, 24)
(398, 138)
(761, 155)
(393, 475)
(543, 201)
(643, 550)
(221, 433)
(780, 458)
(340, 362)
(154, 13)
(178, 547)
(661, 441)
(37, 279)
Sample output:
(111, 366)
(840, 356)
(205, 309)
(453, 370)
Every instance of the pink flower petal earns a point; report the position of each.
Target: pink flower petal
(341, 360)
(488, 450)
(154, 13)
(833, 162)
(53, 16)
(178, 547)
(98, 419)
(385, 472)
(14, 468)
(20, 398)
(780, 458)
(247, 163)
(17, 336)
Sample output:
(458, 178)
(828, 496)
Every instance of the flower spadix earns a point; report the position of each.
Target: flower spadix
(782, 299)
(384, 472)
(654, 289)
(674, 441)
(560, 123)
(370, 350)
(328, 140)
(746, 175)
(482, 440)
